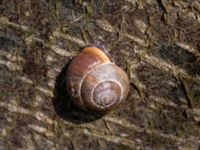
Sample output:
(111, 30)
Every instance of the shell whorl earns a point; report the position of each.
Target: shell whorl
(106, 93)
(94, 82)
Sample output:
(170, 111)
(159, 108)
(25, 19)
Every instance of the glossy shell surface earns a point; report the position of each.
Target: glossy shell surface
(94, 82)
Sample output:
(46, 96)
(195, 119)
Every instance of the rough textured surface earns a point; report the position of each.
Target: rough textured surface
(156, 41)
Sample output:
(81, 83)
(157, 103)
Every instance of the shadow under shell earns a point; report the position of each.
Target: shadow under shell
(64, 105)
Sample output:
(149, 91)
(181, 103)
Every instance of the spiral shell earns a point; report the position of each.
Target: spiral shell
(94, 82)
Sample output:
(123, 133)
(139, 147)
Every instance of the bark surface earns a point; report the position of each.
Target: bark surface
(157, 42)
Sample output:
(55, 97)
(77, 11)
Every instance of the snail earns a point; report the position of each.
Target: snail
(94, 82)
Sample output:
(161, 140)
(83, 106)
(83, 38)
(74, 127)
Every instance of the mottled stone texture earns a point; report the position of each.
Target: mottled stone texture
(157, 42)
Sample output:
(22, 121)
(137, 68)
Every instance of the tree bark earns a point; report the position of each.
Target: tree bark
(156, 42)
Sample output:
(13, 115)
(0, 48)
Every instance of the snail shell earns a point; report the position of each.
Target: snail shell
(94, 82)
